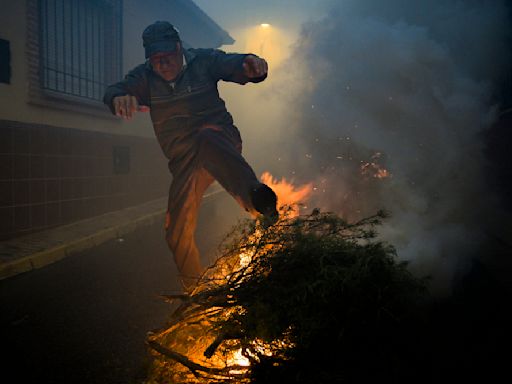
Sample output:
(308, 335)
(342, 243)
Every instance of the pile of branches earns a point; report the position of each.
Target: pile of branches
(313, 299)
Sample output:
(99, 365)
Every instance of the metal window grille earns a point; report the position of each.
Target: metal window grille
(80, 43)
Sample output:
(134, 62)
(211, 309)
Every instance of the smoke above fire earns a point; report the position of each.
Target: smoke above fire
(381, 105)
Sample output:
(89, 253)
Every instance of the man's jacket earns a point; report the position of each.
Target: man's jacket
(181, 108)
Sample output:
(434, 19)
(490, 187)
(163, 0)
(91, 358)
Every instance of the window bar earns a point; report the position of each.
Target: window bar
(71, 70)
(108, 46)
(86, 70)
(72, 32)
(119, 25)
(64, 50)
(101, 36)
(71, 44)
(94, 51)
(98, 52)
(55, 45)
(59, 45)
(91, 51)
(112, 49)
(102, 53)
(104, 45)
(62, 54)
(42, 31)
(103, 56)
(112, 73)
(95, 45)
(79, 39)
(45, 45)
(91, 46)
(46, 59)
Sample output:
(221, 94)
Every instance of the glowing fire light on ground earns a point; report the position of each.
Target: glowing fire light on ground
(238, 359)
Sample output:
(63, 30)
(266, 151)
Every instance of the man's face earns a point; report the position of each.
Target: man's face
(167, 64)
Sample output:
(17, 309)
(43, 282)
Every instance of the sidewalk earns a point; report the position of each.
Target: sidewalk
(36, 250)
(25, 253)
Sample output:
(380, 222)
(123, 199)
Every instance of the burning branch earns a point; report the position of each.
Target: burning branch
(305, 283)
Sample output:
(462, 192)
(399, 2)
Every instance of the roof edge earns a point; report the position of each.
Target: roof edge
(193, 7)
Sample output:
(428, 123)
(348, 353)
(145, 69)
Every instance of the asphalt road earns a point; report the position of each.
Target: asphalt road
(84, 319)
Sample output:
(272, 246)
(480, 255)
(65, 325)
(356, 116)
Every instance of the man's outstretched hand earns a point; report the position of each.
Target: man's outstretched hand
(125, 106)
(255, 66)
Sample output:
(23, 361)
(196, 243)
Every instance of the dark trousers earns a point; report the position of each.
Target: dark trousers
(215, 155)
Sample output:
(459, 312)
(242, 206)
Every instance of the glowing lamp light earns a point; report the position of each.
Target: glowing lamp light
(264, 25)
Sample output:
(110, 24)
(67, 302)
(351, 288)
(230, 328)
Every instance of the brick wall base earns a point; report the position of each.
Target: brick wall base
(50, 176)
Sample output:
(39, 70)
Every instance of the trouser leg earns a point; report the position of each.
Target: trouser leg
(214, 155)
(222, 158)
(185, 196)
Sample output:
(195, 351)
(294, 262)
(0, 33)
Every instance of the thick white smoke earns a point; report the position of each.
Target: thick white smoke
(403, 87)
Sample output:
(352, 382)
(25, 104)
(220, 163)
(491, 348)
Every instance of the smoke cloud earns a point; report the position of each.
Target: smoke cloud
(382, 105)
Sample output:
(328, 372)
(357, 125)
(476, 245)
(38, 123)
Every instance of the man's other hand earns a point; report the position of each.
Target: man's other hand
(255, 66)
(125, 106)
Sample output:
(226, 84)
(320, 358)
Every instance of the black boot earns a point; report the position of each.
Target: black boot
(264, 200)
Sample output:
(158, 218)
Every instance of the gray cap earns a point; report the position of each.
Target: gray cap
(160, 36)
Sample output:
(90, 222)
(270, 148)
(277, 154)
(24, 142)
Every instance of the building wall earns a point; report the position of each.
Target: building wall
(16, 104)
(51, 176)
(58, 160)
(15, 20)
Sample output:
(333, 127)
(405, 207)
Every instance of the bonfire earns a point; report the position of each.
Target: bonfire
(287, 303)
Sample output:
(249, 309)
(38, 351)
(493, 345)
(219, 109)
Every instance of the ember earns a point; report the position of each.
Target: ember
(374, 169)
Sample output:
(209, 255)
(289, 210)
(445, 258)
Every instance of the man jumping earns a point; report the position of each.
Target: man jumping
(195, 131)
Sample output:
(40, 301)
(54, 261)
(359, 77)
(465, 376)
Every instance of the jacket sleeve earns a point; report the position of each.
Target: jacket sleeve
(229, 67)
(135, 83)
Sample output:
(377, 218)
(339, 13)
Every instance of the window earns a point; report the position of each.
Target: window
(80, 46)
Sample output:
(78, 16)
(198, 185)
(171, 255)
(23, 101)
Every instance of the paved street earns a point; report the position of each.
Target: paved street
(84, 318)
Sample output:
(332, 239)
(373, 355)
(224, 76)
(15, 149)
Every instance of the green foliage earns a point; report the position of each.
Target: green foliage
(320, 301)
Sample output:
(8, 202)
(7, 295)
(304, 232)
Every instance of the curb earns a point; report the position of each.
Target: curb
(104, 228)
(51, 255)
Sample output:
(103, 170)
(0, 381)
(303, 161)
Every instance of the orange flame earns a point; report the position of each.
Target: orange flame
(288, 195)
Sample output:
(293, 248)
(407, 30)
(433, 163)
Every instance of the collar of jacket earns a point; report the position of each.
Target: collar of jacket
(189, 55)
